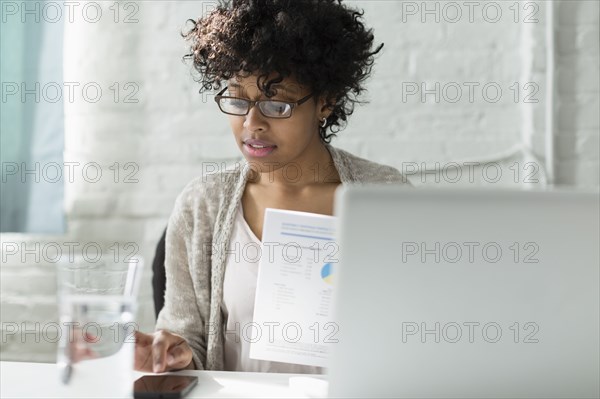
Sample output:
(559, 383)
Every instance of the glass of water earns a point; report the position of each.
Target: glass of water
(97, 304)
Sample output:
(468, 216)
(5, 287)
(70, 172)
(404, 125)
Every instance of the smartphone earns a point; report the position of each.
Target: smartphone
(167, 386)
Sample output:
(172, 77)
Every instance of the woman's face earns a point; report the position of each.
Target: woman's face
(294, 139)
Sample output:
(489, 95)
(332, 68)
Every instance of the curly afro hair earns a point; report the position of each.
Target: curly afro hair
(323, 44)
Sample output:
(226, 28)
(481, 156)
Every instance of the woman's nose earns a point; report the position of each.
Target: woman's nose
(255, 120)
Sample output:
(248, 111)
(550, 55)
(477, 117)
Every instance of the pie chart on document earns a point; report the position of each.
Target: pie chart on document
(327, 273)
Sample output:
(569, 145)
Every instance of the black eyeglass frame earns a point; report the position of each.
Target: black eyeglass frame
(252, 103)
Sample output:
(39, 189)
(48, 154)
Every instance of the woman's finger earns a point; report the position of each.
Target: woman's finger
(160, 345)
(160, 352)
(143, 339)
(143, 352)
(179, 356)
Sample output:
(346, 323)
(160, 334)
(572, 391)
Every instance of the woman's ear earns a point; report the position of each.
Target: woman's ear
(326, 106)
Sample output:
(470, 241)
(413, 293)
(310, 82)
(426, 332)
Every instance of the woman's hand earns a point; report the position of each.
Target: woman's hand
(161, 351)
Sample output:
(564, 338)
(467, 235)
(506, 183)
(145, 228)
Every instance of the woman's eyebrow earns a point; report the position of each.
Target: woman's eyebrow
(290, 90)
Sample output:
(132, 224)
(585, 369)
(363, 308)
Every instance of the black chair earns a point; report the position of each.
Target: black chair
(159, 278)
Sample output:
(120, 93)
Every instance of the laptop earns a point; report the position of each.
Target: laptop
(466, 293)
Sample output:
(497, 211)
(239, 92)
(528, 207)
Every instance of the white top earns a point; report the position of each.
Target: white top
(239, 289)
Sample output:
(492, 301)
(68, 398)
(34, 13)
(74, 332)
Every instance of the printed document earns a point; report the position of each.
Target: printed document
(292, 312)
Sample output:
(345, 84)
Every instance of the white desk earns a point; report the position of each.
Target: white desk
(37, 380)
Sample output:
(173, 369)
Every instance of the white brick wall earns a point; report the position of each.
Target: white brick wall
(577, 88)
(171, 130)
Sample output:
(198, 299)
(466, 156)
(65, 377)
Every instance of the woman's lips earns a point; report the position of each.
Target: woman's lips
(258, 148)
(259, 143)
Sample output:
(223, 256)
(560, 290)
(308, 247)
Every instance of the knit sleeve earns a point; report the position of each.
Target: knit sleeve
(181, 314)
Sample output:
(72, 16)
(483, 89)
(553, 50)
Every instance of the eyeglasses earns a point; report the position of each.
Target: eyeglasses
(269, 108)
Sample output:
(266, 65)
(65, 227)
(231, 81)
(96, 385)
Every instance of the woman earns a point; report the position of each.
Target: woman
(291, 70)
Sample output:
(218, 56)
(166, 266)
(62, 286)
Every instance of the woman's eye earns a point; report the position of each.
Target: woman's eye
(238, 103)
(277, 108)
